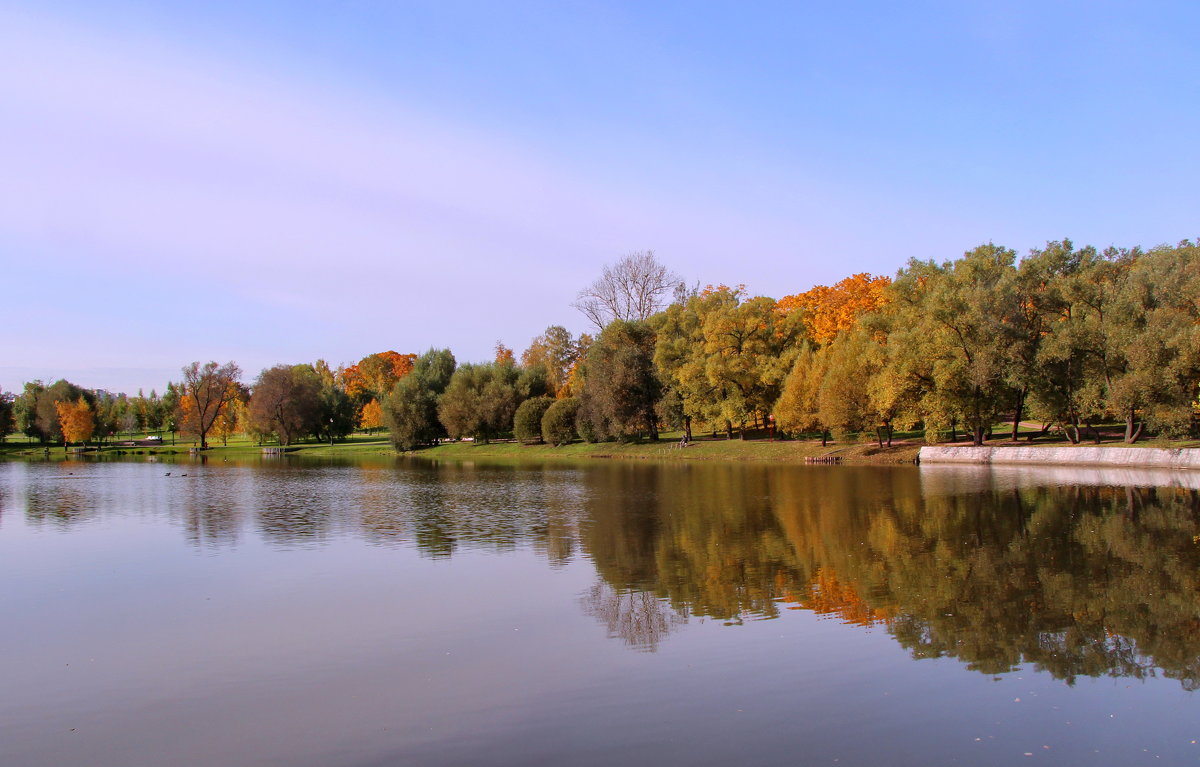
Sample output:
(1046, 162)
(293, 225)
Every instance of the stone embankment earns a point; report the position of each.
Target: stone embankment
(1078, 455)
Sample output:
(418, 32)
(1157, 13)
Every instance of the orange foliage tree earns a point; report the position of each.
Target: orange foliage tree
(76, 419)
(504, 355)
(376, 374)
(827, 311)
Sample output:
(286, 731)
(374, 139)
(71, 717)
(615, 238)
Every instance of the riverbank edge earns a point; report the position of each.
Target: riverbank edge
(715, 451)
(1077, 455)
(667, 450)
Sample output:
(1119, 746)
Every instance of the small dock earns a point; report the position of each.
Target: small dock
(823, 459)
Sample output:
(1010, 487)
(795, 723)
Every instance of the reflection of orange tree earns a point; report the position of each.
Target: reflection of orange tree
(1080, 582)
(1086, 582)
(828, 595)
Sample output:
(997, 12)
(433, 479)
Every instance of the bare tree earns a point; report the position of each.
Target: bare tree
(631, 289)
(208, 390)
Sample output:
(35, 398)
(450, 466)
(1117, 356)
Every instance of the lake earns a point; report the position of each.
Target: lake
(285, 612)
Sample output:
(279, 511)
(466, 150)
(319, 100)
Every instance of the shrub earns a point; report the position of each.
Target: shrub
(527, 421)
(558, 423)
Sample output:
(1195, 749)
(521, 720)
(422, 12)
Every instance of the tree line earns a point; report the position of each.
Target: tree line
(1070, 337)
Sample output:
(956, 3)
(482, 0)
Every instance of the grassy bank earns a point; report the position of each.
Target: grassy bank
(667, 449)
(705, 448)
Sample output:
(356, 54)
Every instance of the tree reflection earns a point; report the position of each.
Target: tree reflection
(639, 618)
(1080, 581)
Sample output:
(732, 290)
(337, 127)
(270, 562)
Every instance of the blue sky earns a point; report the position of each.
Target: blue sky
(281, 182)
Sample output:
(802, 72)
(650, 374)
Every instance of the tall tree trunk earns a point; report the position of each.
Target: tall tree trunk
(1132, 433)
(742, 430)
(954, 430)
(889, 433)
(687, 427)
(1017, 415)
(977, 434)
(728, 429)
(824, 437)
(879, 435)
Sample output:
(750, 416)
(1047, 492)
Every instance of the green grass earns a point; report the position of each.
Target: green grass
(704, 448)
(860, 449)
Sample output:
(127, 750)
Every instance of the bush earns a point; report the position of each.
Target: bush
(558, 423)
(588, 422)
(527, 421)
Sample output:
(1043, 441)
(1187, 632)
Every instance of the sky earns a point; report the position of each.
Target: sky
(284, 182)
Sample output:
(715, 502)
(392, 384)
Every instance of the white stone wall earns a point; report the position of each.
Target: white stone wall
(1075, 455)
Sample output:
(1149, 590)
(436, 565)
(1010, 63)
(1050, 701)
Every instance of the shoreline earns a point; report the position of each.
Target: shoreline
(789, 452)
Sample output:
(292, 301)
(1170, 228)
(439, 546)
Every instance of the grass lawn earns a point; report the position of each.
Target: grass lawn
(704, 448)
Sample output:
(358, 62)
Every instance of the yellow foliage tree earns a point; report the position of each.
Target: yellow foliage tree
(232, 417)
(77, 420)
(372, 415)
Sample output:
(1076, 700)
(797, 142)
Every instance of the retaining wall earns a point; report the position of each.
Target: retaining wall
(1078, 455)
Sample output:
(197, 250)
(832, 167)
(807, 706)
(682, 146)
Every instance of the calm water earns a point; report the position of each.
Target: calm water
(415, 613)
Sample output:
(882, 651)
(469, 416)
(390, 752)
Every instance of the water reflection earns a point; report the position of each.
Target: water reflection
(996, 569)
(1079, 581)
(638, 618)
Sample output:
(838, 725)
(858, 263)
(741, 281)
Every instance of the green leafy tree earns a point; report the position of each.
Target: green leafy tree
(558, 422)
(337, 411)
(480, 401)
(410, 411)
(8, 420)
(954, 318)
(621, 386)
(25, 411)
(46, 409)
(527, 421)
(726, 355)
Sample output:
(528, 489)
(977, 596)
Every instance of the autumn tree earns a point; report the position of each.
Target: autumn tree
(207, 392)
(46, 410)
(558, 351)
(504, 355)
(798, 407)
(827, 311)
(76, 420)
(376, 374)
(232, 419)
(630, 290)
(372, 416)
(286, 401)
(726, 355)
